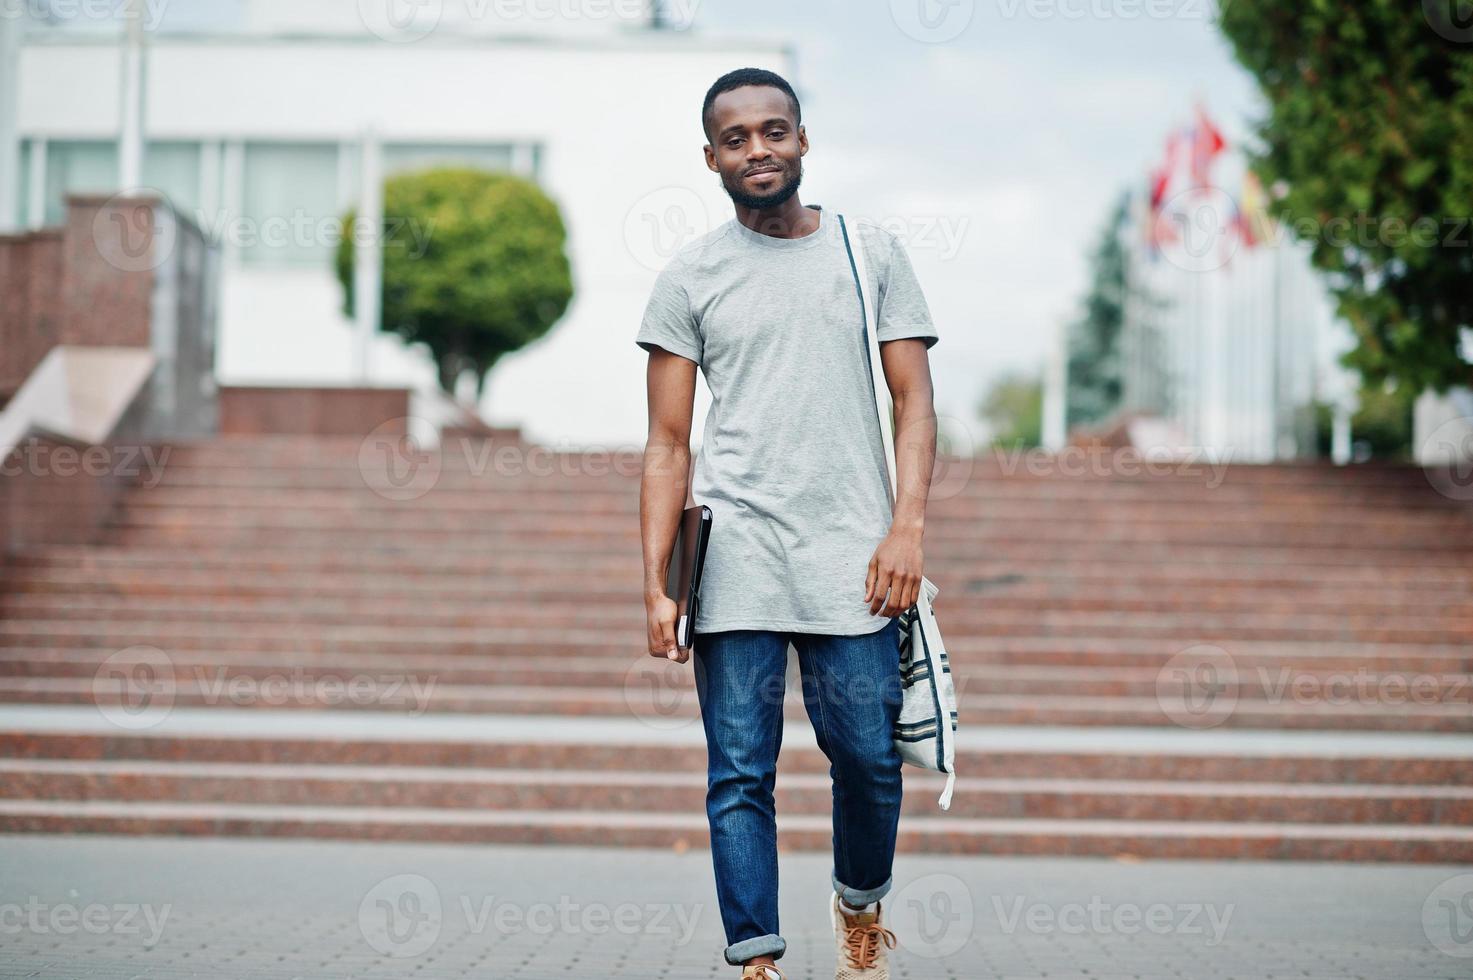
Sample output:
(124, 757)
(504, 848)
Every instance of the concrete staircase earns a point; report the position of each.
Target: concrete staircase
(295, 636)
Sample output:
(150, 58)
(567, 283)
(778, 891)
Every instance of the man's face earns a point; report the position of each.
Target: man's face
(757, 149)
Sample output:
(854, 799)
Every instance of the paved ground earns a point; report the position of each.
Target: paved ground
(219, 908)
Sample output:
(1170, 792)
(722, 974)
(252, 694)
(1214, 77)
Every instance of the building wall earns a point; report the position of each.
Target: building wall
(609, 126)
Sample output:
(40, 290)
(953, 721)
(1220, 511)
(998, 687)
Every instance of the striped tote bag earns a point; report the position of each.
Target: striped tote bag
(925, 734)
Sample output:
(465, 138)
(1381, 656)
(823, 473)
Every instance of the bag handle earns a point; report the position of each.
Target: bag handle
(876, 368)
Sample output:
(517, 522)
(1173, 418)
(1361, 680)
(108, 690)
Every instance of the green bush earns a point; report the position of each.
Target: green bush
(474, 266)
(1381, 427)
(1013, 409)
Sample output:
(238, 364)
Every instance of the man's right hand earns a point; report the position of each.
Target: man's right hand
(662, 610)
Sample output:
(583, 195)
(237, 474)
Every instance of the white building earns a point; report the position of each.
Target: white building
(258, 118)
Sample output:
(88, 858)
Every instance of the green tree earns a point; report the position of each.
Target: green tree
(474, 266)
(1370, 131)
(1095, 381)
(1382, 424)
(1013, 407)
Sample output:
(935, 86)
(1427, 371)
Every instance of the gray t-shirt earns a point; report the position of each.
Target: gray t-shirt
(791, 463)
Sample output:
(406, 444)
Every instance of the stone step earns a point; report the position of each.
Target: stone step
(514, 530)
(526, 626)
(291, 547)
(963, 496)
(328, 599)
(236, 462)
(1254, 660)
(544, 465)
(1015, 555)
(235, 449)
(62, 584)
(20, 635)
(377, 739)
(1249, 683)
(931, 835)
(458, 505)
(685, 792)
(970, 573)
(670, 703)
(965, 613)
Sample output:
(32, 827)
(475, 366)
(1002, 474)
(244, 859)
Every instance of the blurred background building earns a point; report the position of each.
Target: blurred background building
(1229, 337)
(259, 119)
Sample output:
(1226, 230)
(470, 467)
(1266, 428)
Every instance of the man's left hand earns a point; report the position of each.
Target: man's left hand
(895, 569)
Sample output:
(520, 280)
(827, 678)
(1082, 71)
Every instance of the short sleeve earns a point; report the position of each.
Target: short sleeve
(668, 322)
(902, 310)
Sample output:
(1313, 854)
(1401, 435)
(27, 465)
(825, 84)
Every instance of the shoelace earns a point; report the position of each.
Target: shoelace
(862, 944)
(762, 970)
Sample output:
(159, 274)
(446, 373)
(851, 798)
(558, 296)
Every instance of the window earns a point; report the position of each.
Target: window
(399, 157)
(289, 204)
(174, 168)
(78, 167)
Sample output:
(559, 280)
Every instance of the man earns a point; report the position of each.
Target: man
(804, 546)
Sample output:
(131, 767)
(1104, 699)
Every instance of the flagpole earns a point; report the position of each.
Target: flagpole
(1275, 368)
(130, 136)
(11, 29)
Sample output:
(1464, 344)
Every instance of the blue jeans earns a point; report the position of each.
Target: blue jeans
(852, 691)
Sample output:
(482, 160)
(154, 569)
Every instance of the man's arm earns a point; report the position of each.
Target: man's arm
(897, 562)
(671, 382)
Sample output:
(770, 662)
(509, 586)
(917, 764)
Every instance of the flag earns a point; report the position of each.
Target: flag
(1207, 143)
(1255, 226)
(1162, 176)
(1156, 223)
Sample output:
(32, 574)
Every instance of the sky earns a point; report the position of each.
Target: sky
(1001, 137)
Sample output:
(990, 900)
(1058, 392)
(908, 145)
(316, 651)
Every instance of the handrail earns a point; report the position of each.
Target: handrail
(76, 397)
(78, 394)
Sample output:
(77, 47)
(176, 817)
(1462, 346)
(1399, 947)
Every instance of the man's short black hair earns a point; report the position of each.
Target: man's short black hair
(747, 76)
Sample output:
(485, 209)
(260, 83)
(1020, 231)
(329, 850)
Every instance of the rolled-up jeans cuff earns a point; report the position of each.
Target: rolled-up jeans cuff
(769, 945)
(855, 897)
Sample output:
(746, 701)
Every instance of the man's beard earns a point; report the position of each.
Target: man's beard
(760, 202)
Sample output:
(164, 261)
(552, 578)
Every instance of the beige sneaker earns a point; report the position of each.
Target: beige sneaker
(762, 971)
(862, 942)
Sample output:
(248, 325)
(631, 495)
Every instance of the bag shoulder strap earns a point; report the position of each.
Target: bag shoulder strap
(854, 244)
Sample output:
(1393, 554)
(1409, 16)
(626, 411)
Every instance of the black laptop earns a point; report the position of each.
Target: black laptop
(686, 560)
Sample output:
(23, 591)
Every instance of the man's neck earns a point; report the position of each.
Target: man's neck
(789, 219)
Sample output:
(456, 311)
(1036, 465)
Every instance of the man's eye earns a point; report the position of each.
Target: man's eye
(777, 134)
